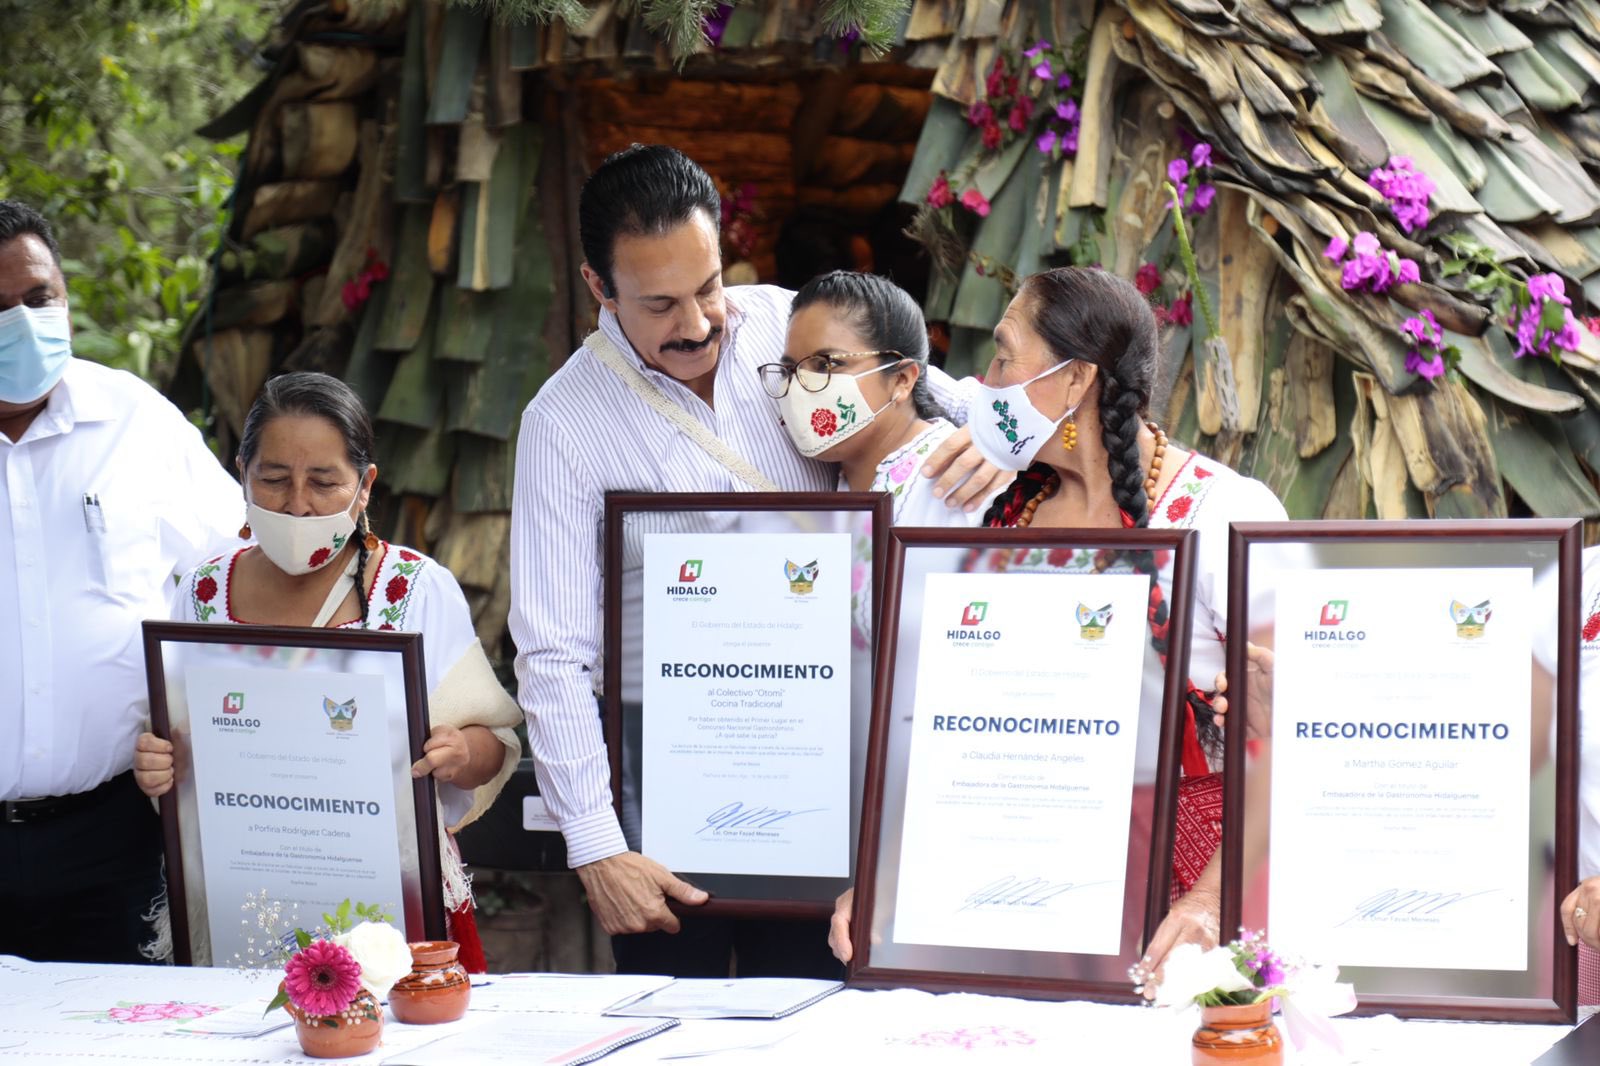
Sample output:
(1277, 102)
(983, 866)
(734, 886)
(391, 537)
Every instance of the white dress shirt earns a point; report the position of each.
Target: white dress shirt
(77, 576)
(587, 433)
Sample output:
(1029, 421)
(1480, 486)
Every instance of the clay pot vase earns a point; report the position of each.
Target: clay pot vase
(1229, 1036)
(341, 1036)
(436, 990)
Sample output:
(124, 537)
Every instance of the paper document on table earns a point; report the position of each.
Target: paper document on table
(547, 1039)
(248, 1019)
(562, 992)
(748, 997)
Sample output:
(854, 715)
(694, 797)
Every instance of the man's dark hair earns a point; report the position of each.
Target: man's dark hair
(18, 219)
(643, 190)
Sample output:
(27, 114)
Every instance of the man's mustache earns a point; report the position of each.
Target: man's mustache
(692, 346)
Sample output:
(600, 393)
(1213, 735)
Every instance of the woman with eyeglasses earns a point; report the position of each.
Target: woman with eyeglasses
(853, 389)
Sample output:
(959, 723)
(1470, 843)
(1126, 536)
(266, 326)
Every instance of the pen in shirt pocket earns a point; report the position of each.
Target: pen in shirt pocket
(94, 520)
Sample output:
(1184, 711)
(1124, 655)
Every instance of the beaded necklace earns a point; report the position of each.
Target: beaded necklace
(1152, 478)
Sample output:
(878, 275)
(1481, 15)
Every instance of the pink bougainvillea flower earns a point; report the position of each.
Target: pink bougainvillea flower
(1042, 70)
(1177, 170)
(1336, 249)
(1201, 155)
(1033, 53)
(1064, 82)
(976, 202)
(1423, 329)
(1407, 189)
(1429, 367)
(1147, 279)
(1203, 195)
(1182, 310)
(1067, 111)
(939, 194)
(1048, 140)
(1533, 335)
(322, 979)
(1366, 244)
(1408, 272)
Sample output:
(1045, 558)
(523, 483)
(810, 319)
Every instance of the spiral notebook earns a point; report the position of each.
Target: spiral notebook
(747, 997)
(547, 1039)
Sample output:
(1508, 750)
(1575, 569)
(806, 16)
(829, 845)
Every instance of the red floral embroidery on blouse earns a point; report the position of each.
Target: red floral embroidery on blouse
(386, 625)
(396, 588)
(1058, 557)
(409, 557)
(1201, 472)
(1179, 507)
(1591, 628)
(319, 556)
(206, 588)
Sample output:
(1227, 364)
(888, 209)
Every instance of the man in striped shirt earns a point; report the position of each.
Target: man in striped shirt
(648, 221)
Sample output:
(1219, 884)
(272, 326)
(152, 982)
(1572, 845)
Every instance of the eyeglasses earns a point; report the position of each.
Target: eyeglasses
(815, 371)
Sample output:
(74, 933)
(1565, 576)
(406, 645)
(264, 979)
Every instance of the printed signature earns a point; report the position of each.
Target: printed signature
(736, 815)
(1397, 902)
(1013, 891)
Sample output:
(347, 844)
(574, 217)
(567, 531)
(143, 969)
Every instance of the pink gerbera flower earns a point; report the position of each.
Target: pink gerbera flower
(322, 979)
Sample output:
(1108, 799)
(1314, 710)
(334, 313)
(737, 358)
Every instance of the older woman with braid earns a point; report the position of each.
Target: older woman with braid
(1065, 403)
(306, 462)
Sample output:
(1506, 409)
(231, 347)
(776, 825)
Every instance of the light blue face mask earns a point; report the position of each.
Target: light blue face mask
(35, 344)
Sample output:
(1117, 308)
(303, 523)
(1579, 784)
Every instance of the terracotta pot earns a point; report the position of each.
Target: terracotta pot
(437, 988)
(340, 1036)
(1232, 1035)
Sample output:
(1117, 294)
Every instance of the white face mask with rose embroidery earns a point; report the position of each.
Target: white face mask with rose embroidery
(298, 545)
(816, 421)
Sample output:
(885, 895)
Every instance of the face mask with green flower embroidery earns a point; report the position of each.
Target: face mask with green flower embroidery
(298, 545)
(817, 421)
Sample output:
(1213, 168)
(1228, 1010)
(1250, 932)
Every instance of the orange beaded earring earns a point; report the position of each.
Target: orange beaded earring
(244, 532)
(1069, 433)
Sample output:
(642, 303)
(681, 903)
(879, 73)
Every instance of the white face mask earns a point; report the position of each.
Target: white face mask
(816, 421)
(300, 545)
(1006, 428)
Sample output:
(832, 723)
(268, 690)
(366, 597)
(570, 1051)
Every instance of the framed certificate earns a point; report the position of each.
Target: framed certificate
(293, 753)
(1406, 806)
(1022, 786)
(738, 687)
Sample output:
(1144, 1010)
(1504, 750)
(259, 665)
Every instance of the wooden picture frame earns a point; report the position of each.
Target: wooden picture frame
(1268, 554)
(880, 962)
(400, 671)
(867, 517)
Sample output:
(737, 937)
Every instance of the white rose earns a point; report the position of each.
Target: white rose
(1189, 972)
(382, 953)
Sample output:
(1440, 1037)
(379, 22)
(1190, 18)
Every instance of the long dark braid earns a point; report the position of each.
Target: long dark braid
(363, 531)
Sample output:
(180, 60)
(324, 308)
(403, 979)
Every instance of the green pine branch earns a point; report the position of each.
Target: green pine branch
(680, 23)
(878, 21)
(571, 12)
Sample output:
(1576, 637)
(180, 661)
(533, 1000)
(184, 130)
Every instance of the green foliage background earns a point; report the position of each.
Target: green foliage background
(99, 100)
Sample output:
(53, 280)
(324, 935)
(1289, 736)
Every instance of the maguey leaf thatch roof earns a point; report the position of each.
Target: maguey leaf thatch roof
(405, 217)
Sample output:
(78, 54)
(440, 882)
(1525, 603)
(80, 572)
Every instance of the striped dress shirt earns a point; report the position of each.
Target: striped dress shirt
(585, 434)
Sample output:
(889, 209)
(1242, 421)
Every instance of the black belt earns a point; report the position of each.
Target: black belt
(21, 812)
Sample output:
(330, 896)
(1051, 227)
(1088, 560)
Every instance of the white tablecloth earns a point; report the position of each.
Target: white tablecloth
(59, 1013)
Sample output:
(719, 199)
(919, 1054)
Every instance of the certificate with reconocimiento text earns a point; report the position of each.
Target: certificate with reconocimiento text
(746, 723)
(295, 793)
(1400, 746)
(1018, 798)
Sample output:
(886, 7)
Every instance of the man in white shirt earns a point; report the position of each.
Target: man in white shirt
(106, 493)
(648, 223)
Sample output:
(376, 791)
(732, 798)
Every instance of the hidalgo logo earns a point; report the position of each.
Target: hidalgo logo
(1092, 622)
(1470, 620)
(341, 716)
(232, 718)
(973, 615)
(689, 580)
(801, 578)
(1330, 625)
